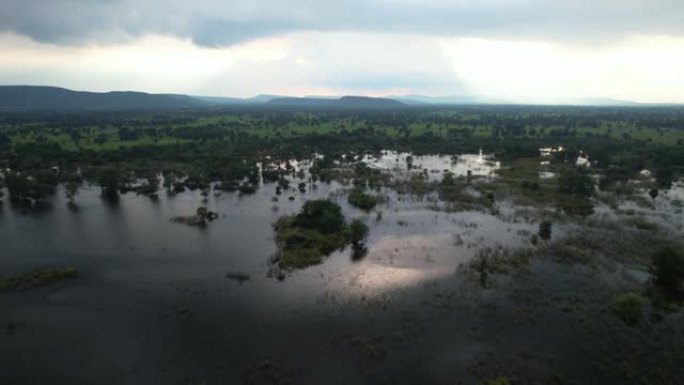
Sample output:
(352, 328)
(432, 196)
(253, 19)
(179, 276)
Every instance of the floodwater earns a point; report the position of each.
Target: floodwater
(153, 305)
(403, 164)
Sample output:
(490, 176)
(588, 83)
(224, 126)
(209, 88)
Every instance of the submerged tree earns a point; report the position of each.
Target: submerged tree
(668, 270)
(359, 198)
(110, 180)
(31, 187)
(358, 231)
(322, 215)
(71, 187)
(150, 186)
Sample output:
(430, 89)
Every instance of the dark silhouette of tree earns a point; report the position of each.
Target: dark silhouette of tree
(653, 193)
(322, 215)
(358, 231)
(575, 182)
(545, 230)
(110, 179)
(668, 270)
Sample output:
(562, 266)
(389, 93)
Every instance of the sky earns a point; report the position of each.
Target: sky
(528, 51)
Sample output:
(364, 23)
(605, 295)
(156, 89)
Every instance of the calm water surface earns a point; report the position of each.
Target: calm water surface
(152, 304)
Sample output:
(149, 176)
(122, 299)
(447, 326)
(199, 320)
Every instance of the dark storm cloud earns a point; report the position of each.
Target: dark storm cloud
(221, 23)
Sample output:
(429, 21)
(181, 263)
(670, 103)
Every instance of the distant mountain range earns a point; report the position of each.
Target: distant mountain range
(344, 101)
(53, 98)
(17, 98)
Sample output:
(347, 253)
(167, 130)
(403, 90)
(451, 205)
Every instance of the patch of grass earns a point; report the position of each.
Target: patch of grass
(274, 371)
(642, 223)
(520, 170)
(498, 262)
(628, 307)
(37, 278)
(369, 348)
(501, 380)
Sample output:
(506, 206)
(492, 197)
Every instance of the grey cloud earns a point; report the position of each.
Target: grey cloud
(222, 23)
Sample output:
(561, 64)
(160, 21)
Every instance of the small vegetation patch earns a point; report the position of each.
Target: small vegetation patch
(273, 371)
(201, 218)
(359, 198)
(37, 278)
(629, 307)
(642, 223)
(237, 276)
(318, 230)
(368, 348)
(545, 230)
(502, 380)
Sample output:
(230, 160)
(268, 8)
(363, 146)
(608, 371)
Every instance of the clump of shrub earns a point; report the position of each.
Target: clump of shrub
(201, 218)
(359, 198)
(545, 230)
(319, 229)
(629, 307)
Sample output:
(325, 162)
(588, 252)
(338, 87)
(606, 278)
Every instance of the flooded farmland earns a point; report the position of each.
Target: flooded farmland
(437, 296)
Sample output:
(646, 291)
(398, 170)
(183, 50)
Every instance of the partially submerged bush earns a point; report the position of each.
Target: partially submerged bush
(39, 277)
(545, 230)
(318, 230)
(357, 197)
(201, 218)
(300, 247)
(358, 231)
(237, 276)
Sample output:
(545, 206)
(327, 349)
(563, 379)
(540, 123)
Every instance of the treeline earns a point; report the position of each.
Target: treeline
(227, 150)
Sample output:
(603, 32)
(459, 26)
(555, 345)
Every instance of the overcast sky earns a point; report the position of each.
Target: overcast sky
(543, 51)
